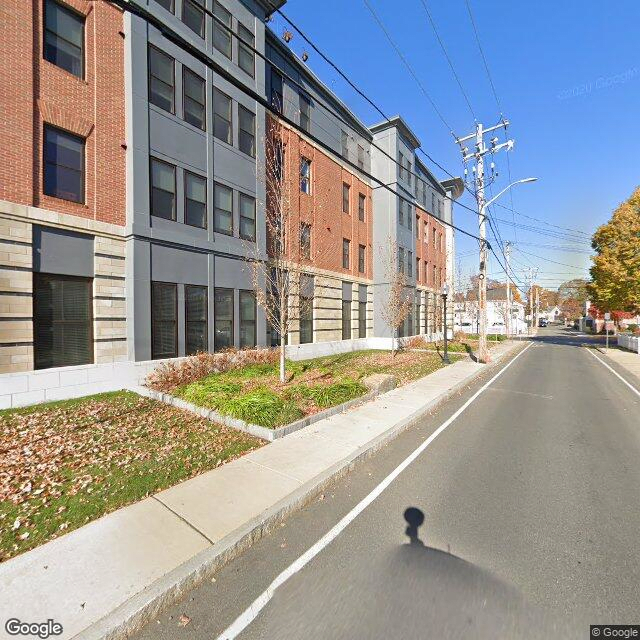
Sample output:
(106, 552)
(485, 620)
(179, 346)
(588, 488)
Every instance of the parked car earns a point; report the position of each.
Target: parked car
(543, 322)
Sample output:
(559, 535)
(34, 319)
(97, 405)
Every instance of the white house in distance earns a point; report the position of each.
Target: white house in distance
(466, 317)
(552, 315)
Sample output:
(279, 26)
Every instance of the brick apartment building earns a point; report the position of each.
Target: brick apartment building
(131, 195)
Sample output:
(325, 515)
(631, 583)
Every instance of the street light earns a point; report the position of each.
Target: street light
(445, 293)
(483, 351)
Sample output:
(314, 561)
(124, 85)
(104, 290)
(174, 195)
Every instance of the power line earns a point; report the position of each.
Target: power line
(446, 55)
(484, 59)
(562, 264)
(407, 65)
(524, 215)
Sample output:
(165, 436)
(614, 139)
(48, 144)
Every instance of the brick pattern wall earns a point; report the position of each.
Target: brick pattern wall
(426, 252)
(34, 92)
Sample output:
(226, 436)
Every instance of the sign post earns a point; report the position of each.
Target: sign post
(607, 317)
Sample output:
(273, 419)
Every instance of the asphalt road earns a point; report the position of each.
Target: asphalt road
(531, 506)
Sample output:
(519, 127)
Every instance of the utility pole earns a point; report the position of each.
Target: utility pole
(507, 253)
(481, 149)
(532, 274)
(537, 305)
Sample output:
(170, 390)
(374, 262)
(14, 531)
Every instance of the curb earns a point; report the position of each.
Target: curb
(264, 433)
(141, 608)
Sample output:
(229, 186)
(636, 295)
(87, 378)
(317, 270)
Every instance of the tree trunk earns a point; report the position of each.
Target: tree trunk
(393, 343)
(283, 372)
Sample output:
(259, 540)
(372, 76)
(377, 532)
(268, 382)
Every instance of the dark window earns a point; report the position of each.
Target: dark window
(193, 91)
(305, 113)
(222, 120)
(344, 141)
(223, 209)
(164, 320)
(246, 56)
(247, 319)
(276, 91)
(222, 36)
(346, 319)
(418, 227)
(346, 245)
(64, 38)
(247, 217)
(417, 268)
(362, 319)
(305, 240)
(409, 264)
(409, 172)
(167, 4)
(278, 161)
(223, 318)
(196, 313)
(345, 197)
(305, 175)
(400, 165)
(163, 189)
(409, 217)
(417, 316)
(401, 213)
(401, 260)
(246, 131)
(62, 321)
(306, 310)
(193, 16)
(361, 157)
(195, 200)
(361, 206)
(162, 80)
(361, 258)
(63, 164)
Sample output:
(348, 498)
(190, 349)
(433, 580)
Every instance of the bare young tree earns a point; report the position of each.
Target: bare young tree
(396, 304)
(278, 278)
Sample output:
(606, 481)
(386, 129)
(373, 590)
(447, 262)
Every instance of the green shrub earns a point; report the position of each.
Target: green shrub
(326, 396)
(262, 407)
(210, 392)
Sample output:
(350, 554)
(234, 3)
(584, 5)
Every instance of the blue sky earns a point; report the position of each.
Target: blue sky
(567, 75)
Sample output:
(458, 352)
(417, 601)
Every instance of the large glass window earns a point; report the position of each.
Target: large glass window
(247, 319)
(305, 175)
(247, 217)
(167, 4)
(64, 38)
(223, 318)
(410, 263)
(306, 309)
(62, 321)
(63, 164)
(246, 131)
(164, 320)
(305, 240)
(195, 200)
(223, 209)
(161, 80)
(195, 313)
(345, 197)
(163, 189)
(305, 113)
(246, 57)
(276, 91)
(222, 36)
(361, 258)
(362, 319)
(193, 16)
(360, 157)
(361, 207)
(346, 249)
(193, 88)
(222, 119)
(346, 319)
(401, 260)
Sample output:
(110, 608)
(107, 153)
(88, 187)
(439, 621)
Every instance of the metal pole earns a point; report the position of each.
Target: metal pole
(507, 250)
(446, 351)
(483, 350)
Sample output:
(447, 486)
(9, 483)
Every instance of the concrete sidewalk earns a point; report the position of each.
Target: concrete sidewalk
(626, 359)
(113, 574)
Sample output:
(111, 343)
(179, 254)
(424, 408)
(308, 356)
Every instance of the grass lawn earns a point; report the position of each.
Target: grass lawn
(66, 463)
(255, 394)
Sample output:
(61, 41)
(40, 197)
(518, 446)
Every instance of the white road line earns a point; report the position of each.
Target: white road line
(251, 613)
(615, 373)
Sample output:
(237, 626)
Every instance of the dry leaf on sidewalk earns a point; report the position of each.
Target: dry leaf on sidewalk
(184, 620)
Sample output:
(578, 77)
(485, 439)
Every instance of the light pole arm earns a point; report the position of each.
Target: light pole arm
(513, 184)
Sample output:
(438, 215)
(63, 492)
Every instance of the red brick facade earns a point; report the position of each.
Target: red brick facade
(429, 254)
(35, 91)
(323, 209)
